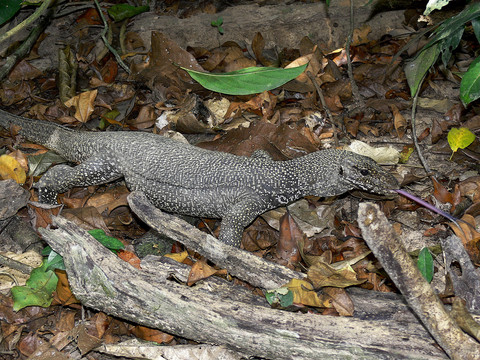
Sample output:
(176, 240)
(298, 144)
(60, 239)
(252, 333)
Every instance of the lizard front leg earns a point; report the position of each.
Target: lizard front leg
(237, 218)
(60, 178)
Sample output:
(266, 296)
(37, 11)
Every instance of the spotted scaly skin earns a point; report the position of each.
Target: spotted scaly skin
(185, 179)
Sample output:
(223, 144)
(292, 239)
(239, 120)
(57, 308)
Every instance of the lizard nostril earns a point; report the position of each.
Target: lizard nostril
(364, 172)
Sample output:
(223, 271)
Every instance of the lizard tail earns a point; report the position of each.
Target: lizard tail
(45, 133)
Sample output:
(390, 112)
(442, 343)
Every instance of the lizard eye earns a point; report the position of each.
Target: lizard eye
(364, 172)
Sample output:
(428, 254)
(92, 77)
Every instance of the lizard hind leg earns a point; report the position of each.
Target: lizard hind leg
(60, 178)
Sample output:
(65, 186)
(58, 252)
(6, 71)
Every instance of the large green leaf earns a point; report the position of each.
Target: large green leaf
(416, 69)
(450, 43)
(246, 81)
(476, 27)
(470, 85)
(8, 8)
(37, 290)
(451, 25)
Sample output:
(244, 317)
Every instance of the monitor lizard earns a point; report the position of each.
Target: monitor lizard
(186, 179)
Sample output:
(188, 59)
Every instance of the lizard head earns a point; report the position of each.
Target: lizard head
(335, 172)
(363, 173)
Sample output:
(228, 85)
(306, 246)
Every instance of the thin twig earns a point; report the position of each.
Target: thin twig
(356, 93)
(325, 107)
(28, 21)
(16, 265)
(414, 134)
(107, 44)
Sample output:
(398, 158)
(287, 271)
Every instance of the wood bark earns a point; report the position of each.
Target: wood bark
(217, 312)
(393, 256)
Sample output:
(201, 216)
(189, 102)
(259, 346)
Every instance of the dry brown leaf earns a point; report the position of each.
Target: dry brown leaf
(200, 270)
(399, 121)
(87, 218)
(43, 216)
(360, 35)
(130, 258)
(321, 275)
(64, 294)
(24, 71)
(133, 41)
(341, 301)
(258, 43)
(287, 245)
(84, 105)
(88, 337)
(471, 188)
(149, 334)
(469, 236)
(366, 129)
(109, 200)
(443, 195)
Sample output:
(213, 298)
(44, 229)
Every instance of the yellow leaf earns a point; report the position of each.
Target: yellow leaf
(303, 293)
(321, 275)
(460, 138)
(10, 168)
(179, 257)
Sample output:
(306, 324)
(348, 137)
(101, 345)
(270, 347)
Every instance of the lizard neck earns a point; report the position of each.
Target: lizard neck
(316, 174)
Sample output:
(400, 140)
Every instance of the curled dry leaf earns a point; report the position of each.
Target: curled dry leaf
(84, 104)
(287, 245)
(470, 237)
(399, 121)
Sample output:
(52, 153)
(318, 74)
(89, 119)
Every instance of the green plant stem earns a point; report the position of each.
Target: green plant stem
(26, 46)
(105, 41)
(31, 19)
(121, 36)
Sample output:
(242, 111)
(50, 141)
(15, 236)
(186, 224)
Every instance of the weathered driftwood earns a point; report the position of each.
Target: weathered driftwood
(217, 312)
(393, 256)
(228, 257)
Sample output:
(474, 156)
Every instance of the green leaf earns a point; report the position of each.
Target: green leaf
(460, 138)
(416, 69)
(476, 28)
(8, 8)
(451, 25)
(38, 164)
(281, 296)
(37, 290)
(109, 242)
(449, 44)
(470, 85)
(425, 264)
(54, 261)
(217, 22)
(121, 12)
(246, 81)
